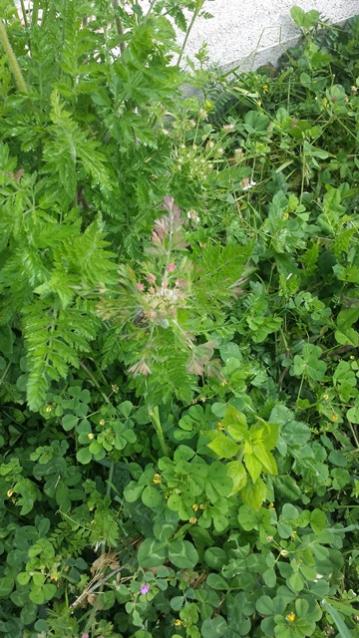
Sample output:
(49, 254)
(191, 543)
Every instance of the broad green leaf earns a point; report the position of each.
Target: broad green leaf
(253, 465)
(247, 518)
(84, 455)
(235, 423)
(269, 577)
(223, 446)
(217, 582)
(49, 591)
(151, 497)
(309, 363)
(345, 333)
(253, 494)
(215, 557)
(266, 459)
(125, 408)
(23, 578)
(318, 520)
(69, 421)
(304, 19)
(214, 627)
(353, 413)
(6, 586)
(151, 553)
(238, 475)
(265, 606)
(132, 491)
(182, 554)
(296, 582)
(177, 602)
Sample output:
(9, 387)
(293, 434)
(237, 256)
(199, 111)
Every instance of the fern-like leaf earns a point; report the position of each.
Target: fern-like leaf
(55, 339)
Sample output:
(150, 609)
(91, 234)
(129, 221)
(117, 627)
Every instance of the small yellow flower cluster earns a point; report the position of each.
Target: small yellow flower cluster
(178, 622)
(291, 617)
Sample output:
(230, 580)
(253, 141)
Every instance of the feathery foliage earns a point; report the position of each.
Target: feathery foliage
(178, 330)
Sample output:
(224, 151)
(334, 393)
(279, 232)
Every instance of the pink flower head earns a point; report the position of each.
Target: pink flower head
(171, 267)
(85, 635)
(145, 588)
(140, 367)
(170, 205)
(140, 287)
(151, 278)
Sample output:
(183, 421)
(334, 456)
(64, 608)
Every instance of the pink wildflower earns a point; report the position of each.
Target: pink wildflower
(151, 278)
(145, 588)
(140, 367)
(171, 267)
(170, 205)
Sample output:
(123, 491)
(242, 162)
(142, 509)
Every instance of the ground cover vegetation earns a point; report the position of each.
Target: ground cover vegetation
(179, 345)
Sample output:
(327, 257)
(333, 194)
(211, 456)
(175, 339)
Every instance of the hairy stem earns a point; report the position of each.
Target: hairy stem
(12, 59)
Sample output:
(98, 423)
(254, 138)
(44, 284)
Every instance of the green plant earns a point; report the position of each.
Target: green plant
(178, 331)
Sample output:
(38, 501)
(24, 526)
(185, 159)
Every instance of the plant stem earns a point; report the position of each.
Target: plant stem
(109, 480)
(155, 418)
(12, 59)
(152, 4)
(23, 11)
(35, 13)
(188, 32)
(354, 435)
(95, 382)
(118, 25)
(300, 388)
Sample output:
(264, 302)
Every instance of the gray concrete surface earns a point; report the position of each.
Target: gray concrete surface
(256, 31)
(253, 32)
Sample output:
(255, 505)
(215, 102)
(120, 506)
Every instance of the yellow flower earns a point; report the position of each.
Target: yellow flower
(291, 617)
(178, 622)
(157, 479)
(193, 520)
(102, 422)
